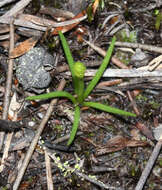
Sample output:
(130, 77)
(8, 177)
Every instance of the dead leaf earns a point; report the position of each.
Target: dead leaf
(114, 19)
(23, 47)
(14, 106)
(135, 134)
(95, 6)
(66, 28)
(118, 143)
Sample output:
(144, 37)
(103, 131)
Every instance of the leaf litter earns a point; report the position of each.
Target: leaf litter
(112, 136)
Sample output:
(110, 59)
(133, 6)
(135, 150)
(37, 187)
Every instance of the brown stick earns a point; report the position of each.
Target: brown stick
(149, 166)
(48, 171)
(38, 23)
(8, 84)
(129, 73)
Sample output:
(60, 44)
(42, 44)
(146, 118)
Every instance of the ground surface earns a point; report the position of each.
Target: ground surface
(117, 163)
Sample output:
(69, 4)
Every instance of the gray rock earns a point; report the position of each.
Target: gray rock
(76, 6)
(32, 69)
(140, 58)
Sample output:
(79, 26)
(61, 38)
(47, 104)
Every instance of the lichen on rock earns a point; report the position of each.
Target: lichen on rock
(32, 69)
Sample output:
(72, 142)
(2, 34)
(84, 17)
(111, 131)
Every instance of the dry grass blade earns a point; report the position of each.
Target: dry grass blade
(118, 143)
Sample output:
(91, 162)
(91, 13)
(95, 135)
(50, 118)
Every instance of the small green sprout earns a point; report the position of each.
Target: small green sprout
(77, 70)
(127, 36)
(158, 20)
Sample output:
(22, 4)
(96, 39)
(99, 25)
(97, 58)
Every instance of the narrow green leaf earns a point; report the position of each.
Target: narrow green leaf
(101, 69)
(69, 56)
(53, 95)
(108, 109)
(158, 21)
(75, 125)
(67, 52)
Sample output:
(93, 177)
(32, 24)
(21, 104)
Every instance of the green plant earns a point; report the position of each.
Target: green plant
(77, 71)
(127, 36)
(158, 20)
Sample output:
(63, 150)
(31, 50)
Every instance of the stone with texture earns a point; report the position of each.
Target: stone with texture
(32, 69)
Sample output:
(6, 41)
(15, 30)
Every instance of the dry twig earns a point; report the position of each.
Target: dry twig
(150, 163)
(8, 84)
(155, 63)
(128, 73)
(48, 171)
(37, 23)
(141, 46)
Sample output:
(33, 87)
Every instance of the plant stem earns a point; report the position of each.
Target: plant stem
(79, 71)
(80, 90)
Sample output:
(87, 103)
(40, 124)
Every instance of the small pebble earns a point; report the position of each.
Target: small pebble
(40, 115)
(31, 123)
(140, 58)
